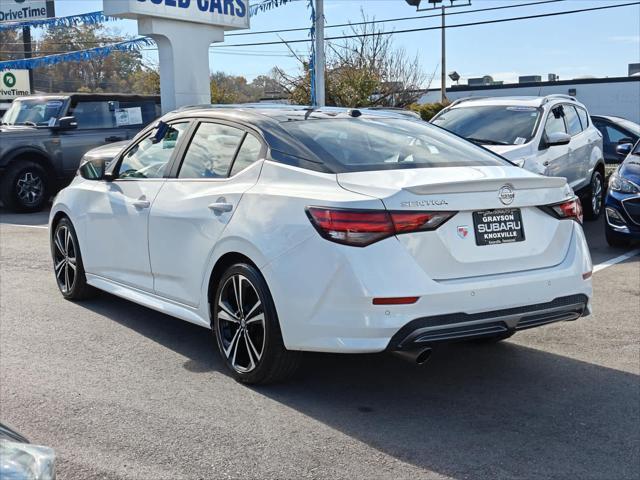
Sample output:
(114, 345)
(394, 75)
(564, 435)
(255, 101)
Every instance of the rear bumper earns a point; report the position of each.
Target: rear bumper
(324, 293)
(461, 326)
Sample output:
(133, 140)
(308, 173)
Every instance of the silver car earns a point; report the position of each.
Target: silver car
(550, 135)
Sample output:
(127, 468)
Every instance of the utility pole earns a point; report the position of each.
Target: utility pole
(443, 60)
(28, 52)
(319, 64)
(443, 52)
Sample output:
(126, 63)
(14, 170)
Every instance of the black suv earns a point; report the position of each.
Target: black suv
(43, 138)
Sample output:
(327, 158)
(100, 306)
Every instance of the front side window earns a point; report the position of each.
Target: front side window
(150, 157)
(573, 121)
(366, 143)
(555, 122)
(615, 135)
(211, 151)
(38, 112)
(491, 125)
(91, 115)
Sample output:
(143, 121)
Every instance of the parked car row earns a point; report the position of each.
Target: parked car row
(43, 138)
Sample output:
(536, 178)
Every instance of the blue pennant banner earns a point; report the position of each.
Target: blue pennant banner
(266, 5)
(78, 56)
(91, 18)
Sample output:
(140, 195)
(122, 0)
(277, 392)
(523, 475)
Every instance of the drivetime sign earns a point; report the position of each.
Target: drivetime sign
(21, 10)
(229, 14)
(14, 83)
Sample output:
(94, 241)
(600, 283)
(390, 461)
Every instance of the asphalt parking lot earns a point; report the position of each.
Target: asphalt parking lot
(123, 392)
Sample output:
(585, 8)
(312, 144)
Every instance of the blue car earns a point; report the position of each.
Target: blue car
(622, 206)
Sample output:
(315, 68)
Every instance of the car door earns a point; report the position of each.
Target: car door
(193, 208)
(97, 125)
(557, 159)
(117, 216)
(580, 148)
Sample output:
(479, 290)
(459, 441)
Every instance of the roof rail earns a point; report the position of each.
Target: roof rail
(464, 99)
(553, 96)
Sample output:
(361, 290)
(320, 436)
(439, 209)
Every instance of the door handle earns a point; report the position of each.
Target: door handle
(220, 207)
(113, 139)
(546, 163)
(141, 203)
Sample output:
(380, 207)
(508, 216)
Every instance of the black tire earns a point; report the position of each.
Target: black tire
(615, 240)
(494, 339)
(67, 262)
(26, 187)
(274, 363)
(594, 201)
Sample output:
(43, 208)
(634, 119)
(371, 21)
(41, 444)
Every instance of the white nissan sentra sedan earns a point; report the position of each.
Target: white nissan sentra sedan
(288, 229)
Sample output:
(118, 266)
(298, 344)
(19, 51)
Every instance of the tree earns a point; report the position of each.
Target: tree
(11, 46)
(363, 71)
(236, 89)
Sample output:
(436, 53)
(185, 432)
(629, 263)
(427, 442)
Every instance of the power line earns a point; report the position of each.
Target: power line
(411, 30)
(341, 25)
(390, 20)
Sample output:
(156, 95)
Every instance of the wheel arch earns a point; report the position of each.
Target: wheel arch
(35, 155)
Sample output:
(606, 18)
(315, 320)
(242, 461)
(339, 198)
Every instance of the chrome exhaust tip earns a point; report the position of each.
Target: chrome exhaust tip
(419, 356)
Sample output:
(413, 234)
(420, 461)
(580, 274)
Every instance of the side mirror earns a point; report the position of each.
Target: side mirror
(67, 123)
(558, 138)
(624, 149)
(93, 169)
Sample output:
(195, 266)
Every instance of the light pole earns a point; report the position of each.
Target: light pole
(319, 64)
(443, 53)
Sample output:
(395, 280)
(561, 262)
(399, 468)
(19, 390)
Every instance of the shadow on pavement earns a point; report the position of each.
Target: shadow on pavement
(500, 411)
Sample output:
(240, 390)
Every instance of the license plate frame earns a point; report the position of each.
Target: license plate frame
(498, 226)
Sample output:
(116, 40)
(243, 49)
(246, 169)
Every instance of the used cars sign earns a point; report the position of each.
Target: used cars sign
(21, 10)
(230, 14)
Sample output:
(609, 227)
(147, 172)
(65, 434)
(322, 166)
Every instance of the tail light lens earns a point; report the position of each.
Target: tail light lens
(360, 228)
(571, 209)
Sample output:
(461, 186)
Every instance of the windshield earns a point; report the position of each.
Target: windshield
(387, 144)
(629, 125)
(36, 112)
(492, 125)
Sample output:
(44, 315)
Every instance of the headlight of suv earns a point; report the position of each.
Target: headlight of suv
(622, 185)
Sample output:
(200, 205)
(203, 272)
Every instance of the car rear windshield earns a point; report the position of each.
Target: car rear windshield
(492, 125)
(361, 144)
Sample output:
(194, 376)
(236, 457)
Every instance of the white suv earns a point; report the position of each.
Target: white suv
(550, 135)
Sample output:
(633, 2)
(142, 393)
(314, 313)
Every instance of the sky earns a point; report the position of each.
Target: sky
(600, 43)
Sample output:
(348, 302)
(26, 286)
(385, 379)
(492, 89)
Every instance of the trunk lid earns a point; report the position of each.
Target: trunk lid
(447, 253)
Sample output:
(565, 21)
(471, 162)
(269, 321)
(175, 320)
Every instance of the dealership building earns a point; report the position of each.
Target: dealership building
(617, 96)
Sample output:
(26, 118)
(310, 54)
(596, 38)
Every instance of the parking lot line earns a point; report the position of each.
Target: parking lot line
(613, 261)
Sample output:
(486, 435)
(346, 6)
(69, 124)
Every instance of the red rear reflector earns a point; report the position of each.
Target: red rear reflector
(363, 227)
(587, 275)
(395, 301)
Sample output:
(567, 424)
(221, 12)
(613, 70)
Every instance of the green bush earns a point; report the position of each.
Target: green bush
(427, 110)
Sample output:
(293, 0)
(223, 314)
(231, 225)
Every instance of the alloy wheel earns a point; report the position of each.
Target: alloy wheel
(241, 323)
(30, 188)
(596, 194)
(65, 259)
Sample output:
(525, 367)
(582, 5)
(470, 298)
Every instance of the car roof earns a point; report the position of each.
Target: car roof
(514, 101)
(281, 113)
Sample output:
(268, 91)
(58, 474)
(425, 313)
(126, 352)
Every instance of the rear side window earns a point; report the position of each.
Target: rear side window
(102, 114)
(247, 155)
(211, 151)
(573, 121)
(369, 143)
(584, 118)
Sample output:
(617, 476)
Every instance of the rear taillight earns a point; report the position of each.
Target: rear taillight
(360, 228)
(569, 210)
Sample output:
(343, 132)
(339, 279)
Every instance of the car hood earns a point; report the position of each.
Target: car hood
(510, 152)
(16, 130)
(106, 152)
(630, 169)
